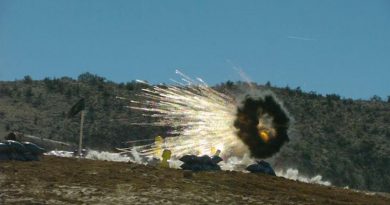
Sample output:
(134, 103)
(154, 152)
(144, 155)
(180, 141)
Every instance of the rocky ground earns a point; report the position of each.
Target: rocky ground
(55, 180)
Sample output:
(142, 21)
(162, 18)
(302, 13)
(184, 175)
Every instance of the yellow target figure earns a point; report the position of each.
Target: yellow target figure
(213, 150)
(165, 157)
(158, 142)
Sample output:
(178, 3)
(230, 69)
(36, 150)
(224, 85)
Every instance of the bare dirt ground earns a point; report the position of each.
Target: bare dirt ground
(57, 180)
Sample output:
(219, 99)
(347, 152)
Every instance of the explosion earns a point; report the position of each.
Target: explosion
(262, 125)
(204, 121)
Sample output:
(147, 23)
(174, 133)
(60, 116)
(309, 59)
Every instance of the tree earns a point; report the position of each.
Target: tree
(49, 84)
(90, 78)
(376, 98)
(229, 84)
(27, 79)
(129, 86)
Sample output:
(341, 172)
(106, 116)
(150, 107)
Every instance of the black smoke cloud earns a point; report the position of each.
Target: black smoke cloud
(248, 116)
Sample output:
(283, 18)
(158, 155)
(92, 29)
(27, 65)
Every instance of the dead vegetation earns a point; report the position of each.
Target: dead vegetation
(57, 180)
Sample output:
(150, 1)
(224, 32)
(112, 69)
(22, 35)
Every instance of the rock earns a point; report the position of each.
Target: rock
(261, 167)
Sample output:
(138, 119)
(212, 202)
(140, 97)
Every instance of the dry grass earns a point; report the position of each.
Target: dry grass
(70, 181)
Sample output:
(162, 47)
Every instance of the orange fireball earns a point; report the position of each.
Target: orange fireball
(264, 135)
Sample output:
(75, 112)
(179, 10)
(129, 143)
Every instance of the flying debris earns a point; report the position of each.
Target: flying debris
(199, 118)
(203, 120)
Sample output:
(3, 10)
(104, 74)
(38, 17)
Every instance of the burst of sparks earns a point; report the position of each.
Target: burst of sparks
(202, 118)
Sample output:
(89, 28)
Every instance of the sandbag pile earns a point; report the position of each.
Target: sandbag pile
(203, 163)
(25, 151)
(261, 167)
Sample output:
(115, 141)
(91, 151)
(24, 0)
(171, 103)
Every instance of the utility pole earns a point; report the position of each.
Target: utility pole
(81, 133)
(76, 108)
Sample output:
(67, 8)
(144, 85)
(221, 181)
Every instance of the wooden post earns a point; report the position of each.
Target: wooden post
(81, 133)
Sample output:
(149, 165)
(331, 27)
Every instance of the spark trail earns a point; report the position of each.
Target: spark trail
(201, 118)
(204, 120)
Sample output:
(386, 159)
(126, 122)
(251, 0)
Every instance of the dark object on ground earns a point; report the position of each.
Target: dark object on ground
(84, 152)
(203, 163)
(261, 167)
(33, 148)
(26, 151)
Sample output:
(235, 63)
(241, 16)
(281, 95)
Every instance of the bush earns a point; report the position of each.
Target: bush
(27, 79)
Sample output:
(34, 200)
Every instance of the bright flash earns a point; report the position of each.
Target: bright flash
(264, 135)
(202, 118)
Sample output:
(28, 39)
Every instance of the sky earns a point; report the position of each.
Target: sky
(326, 46)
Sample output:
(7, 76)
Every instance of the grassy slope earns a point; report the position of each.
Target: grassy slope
(71, 181)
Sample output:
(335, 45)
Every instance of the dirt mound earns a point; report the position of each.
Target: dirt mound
(57, 180)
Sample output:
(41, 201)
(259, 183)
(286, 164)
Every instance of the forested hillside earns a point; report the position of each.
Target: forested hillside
(346, 141)
(40, 108)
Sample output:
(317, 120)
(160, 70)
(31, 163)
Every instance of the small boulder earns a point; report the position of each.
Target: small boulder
(261, 167)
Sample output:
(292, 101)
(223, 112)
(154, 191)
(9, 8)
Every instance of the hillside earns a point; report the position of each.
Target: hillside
(346, 141)
(57, 180)
(40, 108)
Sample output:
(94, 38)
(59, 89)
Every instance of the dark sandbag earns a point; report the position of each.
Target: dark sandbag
(216, 159)
(4, 156)
(17, 156)
(203, 163)
(33, 148)
(15, 146)
(261, 167)
(186, 166)
(200, 167)
(13, 150)
(31, 157)
(188, 158)
(4, 148)
(205, 160)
